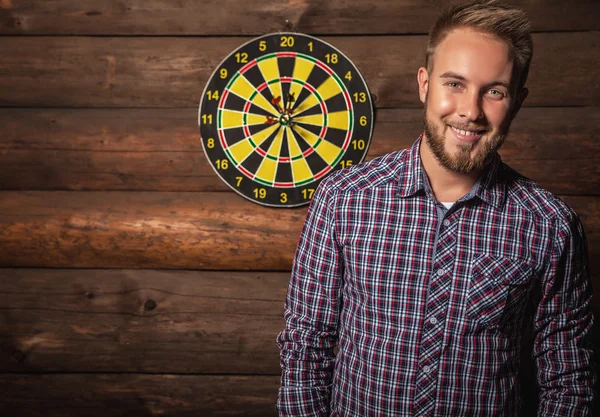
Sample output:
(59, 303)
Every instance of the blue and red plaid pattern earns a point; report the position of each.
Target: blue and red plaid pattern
(398, 308)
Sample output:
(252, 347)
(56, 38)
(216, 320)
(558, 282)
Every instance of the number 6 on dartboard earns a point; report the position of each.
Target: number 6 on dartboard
(282, 112)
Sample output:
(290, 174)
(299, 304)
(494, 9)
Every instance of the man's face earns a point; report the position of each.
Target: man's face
(467, 99)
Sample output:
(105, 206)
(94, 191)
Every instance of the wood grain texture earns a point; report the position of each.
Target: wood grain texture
(219, 231)
(127, 395)
(212, 17)
(160, 150)
(139, 229)
(172, 71)
(140, 321)
(123, 395)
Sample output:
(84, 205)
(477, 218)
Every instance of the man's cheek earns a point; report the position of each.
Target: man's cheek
(443, 104)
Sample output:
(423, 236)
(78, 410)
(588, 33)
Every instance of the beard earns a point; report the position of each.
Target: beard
(462, 161)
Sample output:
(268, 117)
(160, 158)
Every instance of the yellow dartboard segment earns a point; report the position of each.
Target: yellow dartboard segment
(270, 71)
(300, 170)
(275, 148)
(313, 119)
(302, 70)
(267, 170)
(339, 120)
(293, 147)
(241, 150)
(242, 87)
(259, 137)
(308, 103)
(328, 89)
(260, 101)
(255, 119)
(307, 135)
(231, 118)
(268, 167)
(328, 151)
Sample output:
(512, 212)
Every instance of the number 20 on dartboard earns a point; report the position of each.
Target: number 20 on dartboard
(282, 112)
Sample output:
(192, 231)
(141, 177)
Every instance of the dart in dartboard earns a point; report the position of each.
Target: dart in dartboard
(282, 112)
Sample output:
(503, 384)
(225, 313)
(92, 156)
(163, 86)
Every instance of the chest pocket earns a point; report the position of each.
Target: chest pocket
(498, 289)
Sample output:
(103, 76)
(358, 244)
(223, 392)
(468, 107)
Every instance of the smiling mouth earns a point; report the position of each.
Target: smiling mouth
(468, 132)
(467, 136)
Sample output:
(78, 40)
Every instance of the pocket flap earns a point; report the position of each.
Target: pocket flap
(504, 271)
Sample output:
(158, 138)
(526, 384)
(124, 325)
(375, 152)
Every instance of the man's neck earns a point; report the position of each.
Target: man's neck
(447, 186)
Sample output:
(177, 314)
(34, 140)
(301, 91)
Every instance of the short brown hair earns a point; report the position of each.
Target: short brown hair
(504, 22)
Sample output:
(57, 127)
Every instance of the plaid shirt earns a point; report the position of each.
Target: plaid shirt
(426, 305)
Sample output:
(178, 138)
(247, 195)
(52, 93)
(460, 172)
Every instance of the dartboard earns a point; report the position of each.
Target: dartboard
(280, 113)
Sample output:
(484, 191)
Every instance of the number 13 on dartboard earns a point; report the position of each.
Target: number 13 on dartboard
(282, 112)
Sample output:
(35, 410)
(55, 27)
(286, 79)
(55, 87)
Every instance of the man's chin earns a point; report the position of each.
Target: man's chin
(463, 159)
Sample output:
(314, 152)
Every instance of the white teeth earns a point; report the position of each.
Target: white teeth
(465, 132)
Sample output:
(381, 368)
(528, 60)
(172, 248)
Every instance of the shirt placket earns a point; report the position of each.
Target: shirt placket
(431, 345)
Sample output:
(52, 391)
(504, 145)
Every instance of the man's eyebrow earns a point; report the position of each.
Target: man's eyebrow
(450, 74)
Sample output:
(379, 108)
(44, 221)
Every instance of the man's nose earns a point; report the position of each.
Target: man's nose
(470, 106)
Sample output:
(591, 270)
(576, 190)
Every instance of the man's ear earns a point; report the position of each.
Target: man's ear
(519, 99)
(423, 80)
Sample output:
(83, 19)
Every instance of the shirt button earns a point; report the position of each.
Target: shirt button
(440, 272)
(446, 222)
(426, 369)
(433, 320)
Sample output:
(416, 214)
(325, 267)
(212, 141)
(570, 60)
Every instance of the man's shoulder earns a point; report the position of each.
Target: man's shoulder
(533, 198)
(377, 172)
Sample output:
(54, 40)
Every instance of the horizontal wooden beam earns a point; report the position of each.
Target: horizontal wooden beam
(212, 17)
(127, 395)
(145, 229)
(172, 71)
(123, 395)
(219, 231)
(147, 321)
(142, 321)
(160, 150)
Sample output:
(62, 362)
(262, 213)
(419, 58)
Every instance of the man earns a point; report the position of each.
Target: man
(420, 265)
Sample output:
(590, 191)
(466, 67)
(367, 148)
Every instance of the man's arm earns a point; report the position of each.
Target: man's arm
(311, 315)
(562, 326)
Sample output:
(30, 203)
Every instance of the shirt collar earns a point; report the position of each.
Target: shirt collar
(490, 188)
(411, 174)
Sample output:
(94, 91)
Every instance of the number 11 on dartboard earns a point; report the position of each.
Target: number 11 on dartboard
(280, 113)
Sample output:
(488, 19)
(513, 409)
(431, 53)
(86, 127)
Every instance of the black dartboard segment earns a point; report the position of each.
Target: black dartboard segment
(280, 113)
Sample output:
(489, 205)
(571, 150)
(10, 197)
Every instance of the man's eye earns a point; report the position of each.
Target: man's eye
(453, 84)
(496, 94)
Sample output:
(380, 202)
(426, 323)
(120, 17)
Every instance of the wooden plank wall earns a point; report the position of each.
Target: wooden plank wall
(132, 281)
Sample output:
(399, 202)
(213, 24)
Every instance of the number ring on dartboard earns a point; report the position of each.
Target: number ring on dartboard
(280, 113)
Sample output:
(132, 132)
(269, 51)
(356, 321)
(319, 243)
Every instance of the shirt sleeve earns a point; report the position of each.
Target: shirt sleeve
(562, 328)
(311, 315)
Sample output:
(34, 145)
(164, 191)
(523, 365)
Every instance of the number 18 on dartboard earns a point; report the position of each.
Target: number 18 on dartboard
(280, 113)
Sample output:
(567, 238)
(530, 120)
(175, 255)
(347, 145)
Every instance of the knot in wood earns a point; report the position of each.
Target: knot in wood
(149, 305)
(18, 356)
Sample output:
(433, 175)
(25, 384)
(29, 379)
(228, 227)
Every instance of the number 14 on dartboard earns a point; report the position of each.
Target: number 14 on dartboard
(280, 113)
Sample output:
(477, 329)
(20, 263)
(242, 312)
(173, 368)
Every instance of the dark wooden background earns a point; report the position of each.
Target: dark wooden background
(132, 281)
